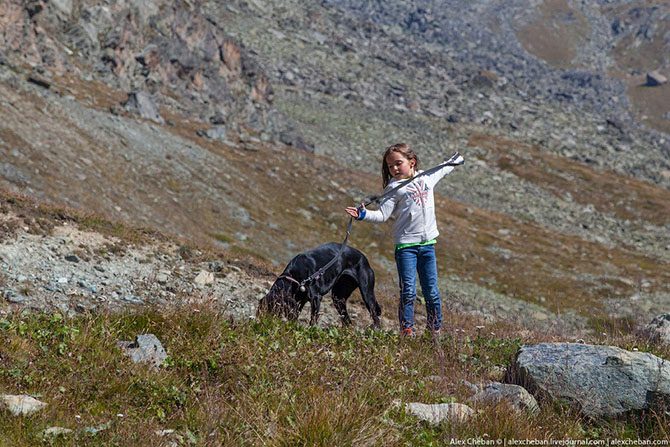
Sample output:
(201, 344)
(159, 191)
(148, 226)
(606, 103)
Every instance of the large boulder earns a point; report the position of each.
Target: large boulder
(602, 381)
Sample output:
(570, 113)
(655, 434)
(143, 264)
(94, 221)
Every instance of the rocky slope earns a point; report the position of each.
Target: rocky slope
(186, 116)
(64, 261)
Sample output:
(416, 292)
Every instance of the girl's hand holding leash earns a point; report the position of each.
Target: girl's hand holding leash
(356, 213)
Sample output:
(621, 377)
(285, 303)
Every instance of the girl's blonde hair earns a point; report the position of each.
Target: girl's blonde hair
(406, 151)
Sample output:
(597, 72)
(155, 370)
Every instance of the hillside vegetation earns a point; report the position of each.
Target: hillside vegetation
(269, 383)
(160, 163)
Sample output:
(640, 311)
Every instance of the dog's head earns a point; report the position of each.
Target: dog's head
(281, 300)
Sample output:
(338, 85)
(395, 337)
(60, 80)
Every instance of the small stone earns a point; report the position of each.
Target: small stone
(95, 430)
(204, 278)
(15, 298)
(56, 431)
(215, 266)
(162, 277)
(142, 103)
(437, 413)
(516, 396)
(21, 405)
(133, 299)
(145, 349)
(655, 78)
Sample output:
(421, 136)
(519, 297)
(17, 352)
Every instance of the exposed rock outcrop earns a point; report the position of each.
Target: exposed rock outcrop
(170, 50)
(146, 348)
(601, 381)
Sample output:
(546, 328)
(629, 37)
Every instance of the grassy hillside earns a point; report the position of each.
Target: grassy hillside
(234, 381)
(273, 117)
(269, 383)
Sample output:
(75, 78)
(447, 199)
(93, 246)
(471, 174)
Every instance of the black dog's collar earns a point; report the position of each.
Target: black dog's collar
(300, 285)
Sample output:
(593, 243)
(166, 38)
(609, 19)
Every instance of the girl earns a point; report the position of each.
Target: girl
(414, 231)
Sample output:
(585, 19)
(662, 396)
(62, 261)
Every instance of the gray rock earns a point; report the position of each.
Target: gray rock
(215, 266)
(13, 297)
(132, 299)
(145, 349)
(218, 118)
(21, 405)
(142, 103)
(291, 138)
(655, 78)
(37, 79)
(12, 174)
(95, 430)
(659, 328)
(517, 396)
(203, 278)
(438, 413)
(215, 133)
(65, 6)
(162, 277)
(56, 431)
(602, 381)
(145, 9)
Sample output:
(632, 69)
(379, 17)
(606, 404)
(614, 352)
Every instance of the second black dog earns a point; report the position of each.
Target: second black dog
(350, 270)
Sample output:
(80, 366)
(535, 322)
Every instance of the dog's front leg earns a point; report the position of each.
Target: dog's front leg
(315, 303)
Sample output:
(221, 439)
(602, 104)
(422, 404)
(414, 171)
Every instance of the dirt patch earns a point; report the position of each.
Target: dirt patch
(642, 47)
(650, 104)
(555, 33)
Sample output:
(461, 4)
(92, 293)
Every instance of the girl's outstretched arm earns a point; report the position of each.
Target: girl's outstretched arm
(438, 175)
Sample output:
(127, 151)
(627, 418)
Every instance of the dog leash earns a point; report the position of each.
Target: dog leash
(371, 199)
(302, 285)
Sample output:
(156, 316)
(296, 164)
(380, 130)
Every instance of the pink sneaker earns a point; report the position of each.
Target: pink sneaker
(408, 332)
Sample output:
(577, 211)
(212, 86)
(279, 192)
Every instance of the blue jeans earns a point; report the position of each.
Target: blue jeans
(409, 260)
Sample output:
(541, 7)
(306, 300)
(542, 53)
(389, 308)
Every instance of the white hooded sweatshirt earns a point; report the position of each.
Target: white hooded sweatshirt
(412, 207)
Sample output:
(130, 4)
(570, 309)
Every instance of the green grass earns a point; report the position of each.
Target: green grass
(262, 382)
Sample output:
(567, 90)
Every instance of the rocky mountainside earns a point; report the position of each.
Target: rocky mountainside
(250, 125)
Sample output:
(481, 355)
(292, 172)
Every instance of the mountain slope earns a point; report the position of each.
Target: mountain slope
(254, 124)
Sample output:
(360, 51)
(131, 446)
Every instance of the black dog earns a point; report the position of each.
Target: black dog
(350, 269)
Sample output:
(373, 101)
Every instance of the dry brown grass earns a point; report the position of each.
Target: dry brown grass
(40, 218)
(558, 267)
(93, 94)
(266, 383)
